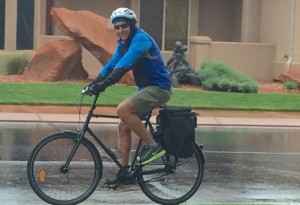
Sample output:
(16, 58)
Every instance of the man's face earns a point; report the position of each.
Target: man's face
(122, 29)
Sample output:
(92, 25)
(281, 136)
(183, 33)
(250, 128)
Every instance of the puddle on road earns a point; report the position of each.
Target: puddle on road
(18, 139)
(250, 139)
(243, 164)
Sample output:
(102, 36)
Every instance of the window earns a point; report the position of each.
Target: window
(25, 21)
(2, 23)
(49, 5)
(166, 21)
(151, 20)
(176, 22)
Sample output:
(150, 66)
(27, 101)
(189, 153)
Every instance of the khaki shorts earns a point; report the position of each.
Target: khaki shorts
(149, 98)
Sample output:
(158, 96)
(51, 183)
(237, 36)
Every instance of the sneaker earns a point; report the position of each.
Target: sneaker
(151, 153)
(122, 177)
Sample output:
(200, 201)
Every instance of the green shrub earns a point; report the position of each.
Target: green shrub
(221, 77)
(16, 65)
(290, 85)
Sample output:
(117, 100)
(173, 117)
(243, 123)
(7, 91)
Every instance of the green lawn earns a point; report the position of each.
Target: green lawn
(70, 93)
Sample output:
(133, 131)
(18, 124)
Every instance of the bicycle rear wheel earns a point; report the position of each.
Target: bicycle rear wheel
(55, 184)
(172, 182)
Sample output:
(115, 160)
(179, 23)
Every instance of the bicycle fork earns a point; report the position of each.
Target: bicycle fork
(65, 168)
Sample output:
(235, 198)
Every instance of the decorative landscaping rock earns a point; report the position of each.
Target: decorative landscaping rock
(57, 60)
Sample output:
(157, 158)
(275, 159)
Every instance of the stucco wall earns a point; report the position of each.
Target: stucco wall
(221, 20)
(275, 17)
(280, 27)
(253, 59)
(297, 34)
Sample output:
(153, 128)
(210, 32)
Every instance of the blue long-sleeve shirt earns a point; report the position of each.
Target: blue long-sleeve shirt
(142, 56)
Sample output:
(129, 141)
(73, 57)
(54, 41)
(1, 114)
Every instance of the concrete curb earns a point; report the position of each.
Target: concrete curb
(202, 121)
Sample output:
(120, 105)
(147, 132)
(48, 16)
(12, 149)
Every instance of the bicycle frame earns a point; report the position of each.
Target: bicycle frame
(94, 136)
(151, 177)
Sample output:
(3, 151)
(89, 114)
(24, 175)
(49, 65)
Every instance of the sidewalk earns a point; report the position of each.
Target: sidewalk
(69, 114)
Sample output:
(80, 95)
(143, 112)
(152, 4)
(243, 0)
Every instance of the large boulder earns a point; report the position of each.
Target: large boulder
(57, 60)
(92, 32)
(89, 30)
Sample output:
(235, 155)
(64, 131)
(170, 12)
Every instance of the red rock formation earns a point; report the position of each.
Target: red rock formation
(57, 60)
(92, 32)
(87, 29)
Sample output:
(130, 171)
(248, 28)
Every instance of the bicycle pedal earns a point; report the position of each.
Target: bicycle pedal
(129, 182)
(110, 186)
(114, 187)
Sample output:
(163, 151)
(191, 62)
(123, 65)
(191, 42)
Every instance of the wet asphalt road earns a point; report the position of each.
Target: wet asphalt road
(243, 165)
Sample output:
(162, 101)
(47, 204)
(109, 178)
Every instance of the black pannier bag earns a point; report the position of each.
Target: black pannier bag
(176, 131)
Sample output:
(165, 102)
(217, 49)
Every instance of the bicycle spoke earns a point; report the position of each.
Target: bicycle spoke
(55, 183)
(179, 181)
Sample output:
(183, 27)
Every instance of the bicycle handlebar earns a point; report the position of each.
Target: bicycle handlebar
(89, 91)
(86, 90)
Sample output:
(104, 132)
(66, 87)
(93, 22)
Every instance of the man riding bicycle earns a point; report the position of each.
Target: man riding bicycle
(136, 51)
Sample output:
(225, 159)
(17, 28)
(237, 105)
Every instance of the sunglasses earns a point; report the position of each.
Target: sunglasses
(125, 25)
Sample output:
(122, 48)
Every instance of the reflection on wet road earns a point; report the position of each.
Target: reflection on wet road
(243, 165)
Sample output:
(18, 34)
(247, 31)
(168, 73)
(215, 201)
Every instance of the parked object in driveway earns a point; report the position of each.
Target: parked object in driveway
(181, 72)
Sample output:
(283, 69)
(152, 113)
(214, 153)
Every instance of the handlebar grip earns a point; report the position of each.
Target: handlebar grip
(86, 91)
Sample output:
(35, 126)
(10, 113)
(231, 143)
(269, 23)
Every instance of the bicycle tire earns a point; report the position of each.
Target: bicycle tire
(47, 179)
(176, 187)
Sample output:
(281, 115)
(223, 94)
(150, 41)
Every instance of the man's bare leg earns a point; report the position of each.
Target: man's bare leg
(124, 143)
(130, 116)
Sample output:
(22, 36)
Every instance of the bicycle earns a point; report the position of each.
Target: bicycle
(65, 167)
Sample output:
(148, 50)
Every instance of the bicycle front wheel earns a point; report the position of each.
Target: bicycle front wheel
(52, 181)
(171, 180)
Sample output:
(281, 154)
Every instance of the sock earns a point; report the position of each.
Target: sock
(153, 143)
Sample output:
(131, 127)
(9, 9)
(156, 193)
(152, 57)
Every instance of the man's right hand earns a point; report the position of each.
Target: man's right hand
(99, 87)
(98, 79)
(96, 88)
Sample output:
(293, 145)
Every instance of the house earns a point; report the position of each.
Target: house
(258, 37)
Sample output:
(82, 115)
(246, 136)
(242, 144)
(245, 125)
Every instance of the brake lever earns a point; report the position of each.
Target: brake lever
(86, 91)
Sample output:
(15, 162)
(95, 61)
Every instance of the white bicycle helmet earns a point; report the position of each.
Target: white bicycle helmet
(123, 13)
